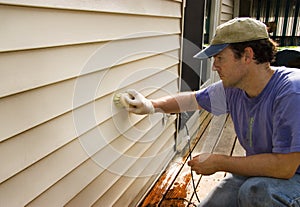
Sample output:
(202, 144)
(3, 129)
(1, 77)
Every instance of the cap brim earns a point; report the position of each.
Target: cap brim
(210, 51)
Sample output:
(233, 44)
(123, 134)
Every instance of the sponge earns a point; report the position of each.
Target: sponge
(119, 100)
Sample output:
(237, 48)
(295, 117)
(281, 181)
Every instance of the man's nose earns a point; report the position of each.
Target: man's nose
(214, 66)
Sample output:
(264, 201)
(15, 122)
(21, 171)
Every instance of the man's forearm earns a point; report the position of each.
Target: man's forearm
(269, 165)
(175, 104)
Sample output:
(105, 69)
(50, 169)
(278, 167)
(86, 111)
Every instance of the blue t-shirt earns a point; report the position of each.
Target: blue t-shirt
(267, 123)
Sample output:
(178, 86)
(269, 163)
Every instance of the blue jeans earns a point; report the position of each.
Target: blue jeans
(242, 191)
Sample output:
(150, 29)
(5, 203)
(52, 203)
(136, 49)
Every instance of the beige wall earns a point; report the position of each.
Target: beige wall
(227, 10)
(62, 141)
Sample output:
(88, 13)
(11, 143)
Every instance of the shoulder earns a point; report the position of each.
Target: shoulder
(284, 72)
(217, 89)
(287, 80)
(285, 87)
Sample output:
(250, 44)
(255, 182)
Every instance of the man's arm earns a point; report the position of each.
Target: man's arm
(269, 165)
(176, 103)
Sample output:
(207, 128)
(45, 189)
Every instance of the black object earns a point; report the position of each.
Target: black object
(287, 58)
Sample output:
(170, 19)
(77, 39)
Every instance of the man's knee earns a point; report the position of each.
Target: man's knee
(254, 192)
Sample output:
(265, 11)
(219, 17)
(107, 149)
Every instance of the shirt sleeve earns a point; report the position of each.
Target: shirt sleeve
(286, 124)
(213, 99)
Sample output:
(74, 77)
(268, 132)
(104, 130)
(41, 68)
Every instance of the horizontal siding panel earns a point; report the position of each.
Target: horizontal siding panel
(70, 185)
(228, 2)
(145, 166)
(26, 110)
(53, 27)
(225, 17)
(26, 185)
(126, 74)
(101, 109)
(64, 186)
(115, 149)
(23, 111)
(227, 9)
(122, 127)
(34, 68)
(62, 62)
(45, 173)
(49, 137)
(102, 183)
(137, 188)
(142, 7)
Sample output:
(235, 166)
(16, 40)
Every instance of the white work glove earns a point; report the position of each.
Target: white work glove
(137, 103)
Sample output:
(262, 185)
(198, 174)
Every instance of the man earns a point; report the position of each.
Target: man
(264, 105)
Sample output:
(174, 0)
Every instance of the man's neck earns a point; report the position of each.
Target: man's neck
(257, 79)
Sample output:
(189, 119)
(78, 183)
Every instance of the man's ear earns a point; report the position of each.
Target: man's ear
(248, 54)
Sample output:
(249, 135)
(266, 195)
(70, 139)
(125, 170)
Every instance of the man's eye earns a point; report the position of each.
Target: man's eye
(217, 58)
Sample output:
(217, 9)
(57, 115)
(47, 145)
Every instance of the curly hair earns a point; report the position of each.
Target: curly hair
(264, 50)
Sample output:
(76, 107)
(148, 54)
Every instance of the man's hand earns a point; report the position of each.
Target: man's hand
(274, 165)
(204, 164)
(137, 103)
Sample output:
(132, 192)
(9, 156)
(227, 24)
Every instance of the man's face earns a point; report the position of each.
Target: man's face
(230, 69)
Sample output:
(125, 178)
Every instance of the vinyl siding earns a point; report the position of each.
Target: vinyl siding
(227, 9)
(62, 140)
